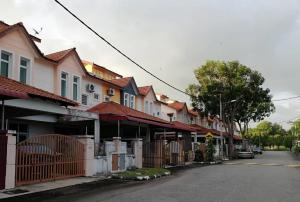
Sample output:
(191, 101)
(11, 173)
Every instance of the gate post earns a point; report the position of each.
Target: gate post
(138, 152)
(10, 162)
(88, 157)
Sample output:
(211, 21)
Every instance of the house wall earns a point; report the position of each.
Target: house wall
(41, 72)
(116, 98)
(165, 109)
(151, 99)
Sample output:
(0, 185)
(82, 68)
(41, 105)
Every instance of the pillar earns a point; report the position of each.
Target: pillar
(89, 159)
(97, 136)
(138, 152)
(10, 162)
(117, 142)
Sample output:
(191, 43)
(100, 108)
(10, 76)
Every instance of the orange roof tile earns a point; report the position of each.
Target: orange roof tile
(7, 84)
(177, 105)
(122, 82)
(192, 112)
(85, 62)
(113, 108)
(58, 56)
(144, 90)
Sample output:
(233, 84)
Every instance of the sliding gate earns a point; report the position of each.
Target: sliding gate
(48, 157)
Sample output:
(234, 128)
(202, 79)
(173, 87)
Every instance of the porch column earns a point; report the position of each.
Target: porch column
(97, 134)
(138, 152)
(89, 159)
(218, 147)
(10, 162)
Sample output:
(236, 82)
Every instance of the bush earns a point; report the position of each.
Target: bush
(210, 150)
(198, 156)
(296, 150)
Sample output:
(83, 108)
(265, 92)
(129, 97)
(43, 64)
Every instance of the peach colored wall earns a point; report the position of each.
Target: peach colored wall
(41, 73)
(116, 98)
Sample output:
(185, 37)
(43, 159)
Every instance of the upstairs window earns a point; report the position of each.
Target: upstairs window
(151, 108)
(146, 110)
(84, 99)
(64, 84)
(76, 81)
(24, 70)
(5, 63)
(132, 102)
(126, 99)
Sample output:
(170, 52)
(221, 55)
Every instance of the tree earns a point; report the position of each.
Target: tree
(210, 150)
(288, 142)
(278, 140)
(231, 81)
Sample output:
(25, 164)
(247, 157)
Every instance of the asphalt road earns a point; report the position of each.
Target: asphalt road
(273, 176)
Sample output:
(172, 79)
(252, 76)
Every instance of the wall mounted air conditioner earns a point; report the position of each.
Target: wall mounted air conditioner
(90, 88)
(111, 92)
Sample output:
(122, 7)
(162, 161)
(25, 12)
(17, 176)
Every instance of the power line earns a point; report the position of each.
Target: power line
(288, 98)
(118, 50)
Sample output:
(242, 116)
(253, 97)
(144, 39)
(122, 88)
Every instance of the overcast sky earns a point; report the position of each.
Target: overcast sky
(172, 38)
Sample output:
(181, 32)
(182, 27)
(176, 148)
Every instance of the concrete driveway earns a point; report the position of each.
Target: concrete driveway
(273, 176)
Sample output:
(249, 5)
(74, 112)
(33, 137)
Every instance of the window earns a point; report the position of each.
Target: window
(84, 99)
(5, 63)
(24, 70)
(76, 81)
(151, 108)
(64, 84)
(106, 98)
(146, 107)
(132, 101)
(126, 99)
(96, 96)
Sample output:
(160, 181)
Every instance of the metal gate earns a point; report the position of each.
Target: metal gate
(48, 157)
(162, 153)
(3, 153)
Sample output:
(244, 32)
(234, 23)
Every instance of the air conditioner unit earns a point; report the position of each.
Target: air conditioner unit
(106, 98)
(111, 92)
(90, 88)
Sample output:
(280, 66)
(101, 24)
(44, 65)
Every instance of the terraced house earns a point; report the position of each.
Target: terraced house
(83, 118)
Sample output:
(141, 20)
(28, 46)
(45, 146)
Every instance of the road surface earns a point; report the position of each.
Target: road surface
(273, 176)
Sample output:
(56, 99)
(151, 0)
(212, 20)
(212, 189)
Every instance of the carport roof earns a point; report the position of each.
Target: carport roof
(110, 111)
(13, 89)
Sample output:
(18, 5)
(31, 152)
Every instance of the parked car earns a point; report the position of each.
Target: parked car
(246, 154)
(257, 150)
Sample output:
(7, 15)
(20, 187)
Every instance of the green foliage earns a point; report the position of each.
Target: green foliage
(278, 140)
(268, 134)
(296, 150)
(233, 81)
(288, 142)
(210, 150)
(198, 156)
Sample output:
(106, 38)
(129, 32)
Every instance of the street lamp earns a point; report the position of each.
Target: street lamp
(221, 115)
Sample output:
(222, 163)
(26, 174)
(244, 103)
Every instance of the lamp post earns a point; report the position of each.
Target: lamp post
(221, 116)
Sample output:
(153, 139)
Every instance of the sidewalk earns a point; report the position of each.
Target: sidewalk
(47, 186)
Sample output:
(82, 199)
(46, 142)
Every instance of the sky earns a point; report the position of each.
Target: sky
(172, 38)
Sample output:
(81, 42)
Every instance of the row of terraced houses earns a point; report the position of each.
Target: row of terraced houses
(62, 116)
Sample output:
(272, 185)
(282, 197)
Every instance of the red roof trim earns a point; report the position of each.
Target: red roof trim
(10, 85)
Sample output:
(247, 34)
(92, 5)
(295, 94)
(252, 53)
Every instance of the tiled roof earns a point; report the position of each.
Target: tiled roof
(120, 110)
(58, 56)
(19, 26)
(177, 105)
(192, 112)
(85, 62)
(4, 26)
(10, 85)
(122, 82)
(183, 126)
(144, 90)
(114, 109)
